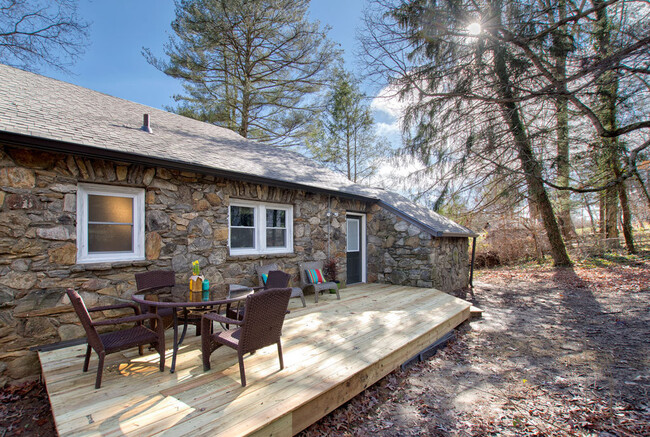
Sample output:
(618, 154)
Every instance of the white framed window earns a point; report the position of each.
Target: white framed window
(260, 228)
(110, 223)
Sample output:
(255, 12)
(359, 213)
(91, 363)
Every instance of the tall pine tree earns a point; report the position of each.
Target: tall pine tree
(344, 137)
(253, 66)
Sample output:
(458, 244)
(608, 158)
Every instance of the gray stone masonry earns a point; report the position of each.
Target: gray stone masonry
(186, 219)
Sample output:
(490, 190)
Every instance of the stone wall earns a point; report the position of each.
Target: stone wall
(186, 219)
(401, 253)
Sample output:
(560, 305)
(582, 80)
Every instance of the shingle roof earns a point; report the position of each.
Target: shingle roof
(49, 109)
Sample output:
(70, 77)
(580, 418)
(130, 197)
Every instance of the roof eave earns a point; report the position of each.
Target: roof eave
(424, 227)
(47, 144)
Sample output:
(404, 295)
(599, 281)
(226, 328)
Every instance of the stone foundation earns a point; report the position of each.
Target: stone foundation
(186, 219)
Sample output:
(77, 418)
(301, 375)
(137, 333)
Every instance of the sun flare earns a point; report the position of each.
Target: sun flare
(474, 29)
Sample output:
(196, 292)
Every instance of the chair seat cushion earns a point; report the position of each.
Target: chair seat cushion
(325, 286)
(126, 338)
(296, 292)
(229, 337)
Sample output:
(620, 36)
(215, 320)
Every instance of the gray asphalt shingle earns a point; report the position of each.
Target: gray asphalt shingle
(42, 107)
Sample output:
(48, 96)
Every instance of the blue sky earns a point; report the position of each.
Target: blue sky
(113, 63)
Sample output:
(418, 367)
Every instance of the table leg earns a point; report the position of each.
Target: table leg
(185, 317)
(175, 351)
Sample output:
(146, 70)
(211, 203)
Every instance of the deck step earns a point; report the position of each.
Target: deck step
(475, 313)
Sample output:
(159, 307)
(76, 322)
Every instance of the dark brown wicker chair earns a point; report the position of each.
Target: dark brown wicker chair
(261, 326)
(107, 343)
(153, 282)
(266, 269)
(156, 281)
(275, 279)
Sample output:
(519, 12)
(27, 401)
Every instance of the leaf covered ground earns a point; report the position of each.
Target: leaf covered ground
(558, 352)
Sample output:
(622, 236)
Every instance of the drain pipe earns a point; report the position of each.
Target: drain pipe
(329, 223)
(471, 268)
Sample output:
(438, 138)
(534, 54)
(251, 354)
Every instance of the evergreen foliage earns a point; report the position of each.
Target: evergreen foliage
(252, 66)
(343, 138)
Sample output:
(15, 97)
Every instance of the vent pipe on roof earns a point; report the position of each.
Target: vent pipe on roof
(145, 124)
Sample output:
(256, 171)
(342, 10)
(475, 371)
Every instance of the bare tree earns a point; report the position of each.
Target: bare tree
(34, 33)
(482, 86)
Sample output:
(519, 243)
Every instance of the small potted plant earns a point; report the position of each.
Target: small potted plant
(330, 270)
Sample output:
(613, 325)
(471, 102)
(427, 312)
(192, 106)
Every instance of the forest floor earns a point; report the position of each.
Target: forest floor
(557, 352)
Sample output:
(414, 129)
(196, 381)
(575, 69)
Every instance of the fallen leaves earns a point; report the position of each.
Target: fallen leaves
(25, 410)
(559, 352)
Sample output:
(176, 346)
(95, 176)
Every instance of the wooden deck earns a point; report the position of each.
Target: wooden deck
(332, 352)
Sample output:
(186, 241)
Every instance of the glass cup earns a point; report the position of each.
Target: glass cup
(206, 290)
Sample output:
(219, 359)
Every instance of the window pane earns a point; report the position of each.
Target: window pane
(242, 216)
(110, 209)
(353, 235)
(110, 238)
(275, 237)
(242, 238)
(275, 218)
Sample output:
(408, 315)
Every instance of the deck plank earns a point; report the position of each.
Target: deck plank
(333, 350)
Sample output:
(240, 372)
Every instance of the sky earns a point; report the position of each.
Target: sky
(119, 29)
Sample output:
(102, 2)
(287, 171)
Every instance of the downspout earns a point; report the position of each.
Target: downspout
(329, 223)
(471, 268)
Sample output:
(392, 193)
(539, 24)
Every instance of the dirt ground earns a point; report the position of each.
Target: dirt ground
(557, 352)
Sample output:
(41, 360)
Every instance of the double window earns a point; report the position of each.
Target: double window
(110, 223)
(260, 228)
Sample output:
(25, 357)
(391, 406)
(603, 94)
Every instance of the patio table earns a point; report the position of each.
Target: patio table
(182, 302)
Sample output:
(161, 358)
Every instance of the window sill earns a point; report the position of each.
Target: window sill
(252, 256)
(109, 260)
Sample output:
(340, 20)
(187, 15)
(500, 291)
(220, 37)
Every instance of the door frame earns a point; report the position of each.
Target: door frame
(362, 247)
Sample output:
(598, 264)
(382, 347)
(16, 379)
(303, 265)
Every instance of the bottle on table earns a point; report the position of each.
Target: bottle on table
(196, 283)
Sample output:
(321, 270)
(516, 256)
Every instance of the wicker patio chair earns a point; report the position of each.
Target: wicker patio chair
(155, 281)
(275, 279)
(261, 326)
(295, 291)
(305, 284)
(107, 343)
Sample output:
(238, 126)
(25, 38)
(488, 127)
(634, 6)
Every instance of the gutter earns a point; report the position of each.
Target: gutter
(423, 226)
(49, 145)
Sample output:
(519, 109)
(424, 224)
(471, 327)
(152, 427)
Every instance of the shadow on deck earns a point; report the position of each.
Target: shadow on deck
(333, 350)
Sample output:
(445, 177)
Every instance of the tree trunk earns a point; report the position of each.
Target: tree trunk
(601, 214)
(529, 163)
(627, 218)
(560, 50)
(348, 157)
(607, 90)
(643, 188)
(611, 218)
(594, 229)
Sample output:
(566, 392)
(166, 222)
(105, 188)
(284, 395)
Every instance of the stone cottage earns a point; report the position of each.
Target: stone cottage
(94, 189)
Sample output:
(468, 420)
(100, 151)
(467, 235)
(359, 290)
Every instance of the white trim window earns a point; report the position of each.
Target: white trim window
(259, 228)
(110, 223)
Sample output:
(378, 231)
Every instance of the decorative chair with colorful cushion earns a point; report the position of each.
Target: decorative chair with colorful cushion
(261, 326)
(264, 270)
(104, 344)
(311, 274)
